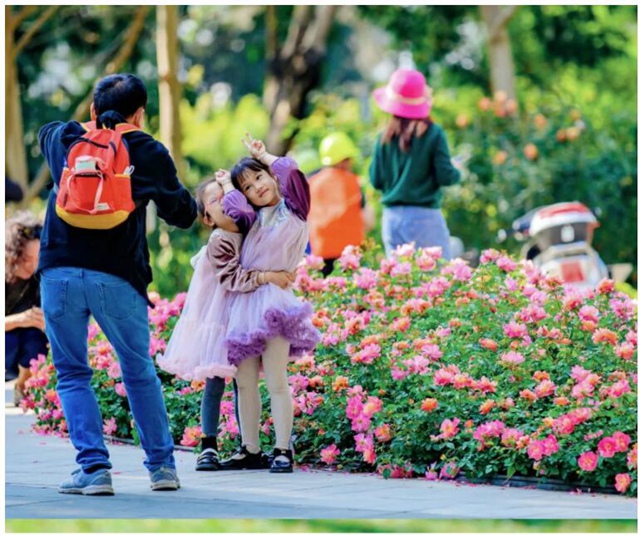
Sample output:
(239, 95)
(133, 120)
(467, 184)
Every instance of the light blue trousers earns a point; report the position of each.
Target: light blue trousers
(424, 226)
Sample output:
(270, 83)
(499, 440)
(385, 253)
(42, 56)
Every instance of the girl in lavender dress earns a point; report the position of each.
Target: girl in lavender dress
(270, 325)
(196, 350)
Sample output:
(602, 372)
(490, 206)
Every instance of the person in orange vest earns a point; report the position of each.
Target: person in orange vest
(338, 216)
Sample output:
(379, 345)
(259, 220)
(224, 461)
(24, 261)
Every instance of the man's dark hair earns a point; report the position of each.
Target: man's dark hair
(123, 93)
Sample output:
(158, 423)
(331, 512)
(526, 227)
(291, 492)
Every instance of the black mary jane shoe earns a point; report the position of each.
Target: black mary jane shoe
(208, 461)
(243, 459)
(282, 461)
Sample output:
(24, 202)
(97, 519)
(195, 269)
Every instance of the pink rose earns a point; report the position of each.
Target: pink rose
(109, 427)
(622, 482)
(329, 454)
(588, 461)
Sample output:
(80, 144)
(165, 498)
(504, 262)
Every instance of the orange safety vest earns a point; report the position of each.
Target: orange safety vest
(335, 219)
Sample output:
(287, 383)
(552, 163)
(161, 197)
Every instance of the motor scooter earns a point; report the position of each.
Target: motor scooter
(558, 239)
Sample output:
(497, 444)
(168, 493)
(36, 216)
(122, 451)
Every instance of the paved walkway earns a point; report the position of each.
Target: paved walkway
(36, 464)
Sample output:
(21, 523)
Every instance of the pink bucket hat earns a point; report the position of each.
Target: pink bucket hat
(406, 95)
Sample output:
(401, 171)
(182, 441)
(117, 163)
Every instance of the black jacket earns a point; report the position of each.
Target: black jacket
(123, 250)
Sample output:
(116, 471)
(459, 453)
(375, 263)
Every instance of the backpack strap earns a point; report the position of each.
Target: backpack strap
(122, 128)
(125, 128)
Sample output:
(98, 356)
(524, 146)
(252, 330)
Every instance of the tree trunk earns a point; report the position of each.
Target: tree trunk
(502, 71)
(34, 29)
(170, 90)
(15, 151)
(294, 70)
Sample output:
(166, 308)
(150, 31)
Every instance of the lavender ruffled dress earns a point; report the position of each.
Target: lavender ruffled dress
(276, 241)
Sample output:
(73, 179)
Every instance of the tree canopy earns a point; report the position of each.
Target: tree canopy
(290, 74)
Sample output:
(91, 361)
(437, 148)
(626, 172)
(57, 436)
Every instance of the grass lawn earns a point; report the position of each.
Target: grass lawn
(326, 526)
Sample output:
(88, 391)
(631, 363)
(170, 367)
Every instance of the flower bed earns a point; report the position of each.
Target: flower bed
(428, 369)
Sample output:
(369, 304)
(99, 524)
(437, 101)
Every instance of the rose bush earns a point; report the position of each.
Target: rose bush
(429, 369)
(537, 152)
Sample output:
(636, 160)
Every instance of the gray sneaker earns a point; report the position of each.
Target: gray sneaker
(96, 484)
(164, 478)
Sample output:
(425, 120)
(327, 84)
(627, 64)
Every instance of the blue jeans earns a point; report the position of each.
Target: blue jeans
(424, 226)
(69, 296)
(20, 346)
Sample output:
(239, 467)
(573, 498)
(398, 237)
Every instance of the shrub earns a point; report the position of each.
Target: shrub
(430, 368)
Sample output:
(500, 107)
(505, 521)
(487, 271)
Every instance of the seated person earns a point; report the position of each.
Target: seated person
(23, 319)
(12, 191)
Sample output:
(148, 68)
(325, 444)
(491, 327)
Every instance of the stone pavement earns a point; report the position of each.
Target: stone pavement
(36, 464)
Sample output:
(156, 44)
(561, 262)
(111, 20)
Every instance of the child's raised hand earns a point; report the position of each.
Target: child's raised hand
(255, 147)
(223, 176)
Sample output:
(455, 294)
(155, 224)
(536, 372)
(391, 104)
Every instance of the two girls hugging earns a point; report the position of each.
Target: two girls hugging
(240, 314)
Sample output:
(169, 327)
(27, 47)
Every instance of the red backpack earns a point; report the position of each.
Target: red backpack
(95, 187)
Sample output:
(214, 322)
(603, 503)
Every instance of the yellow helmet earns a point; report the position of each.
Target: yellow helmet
(337, 147)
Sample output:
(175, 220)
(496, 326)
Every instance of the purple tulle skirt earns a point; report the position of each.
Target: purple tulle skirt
(268, 312)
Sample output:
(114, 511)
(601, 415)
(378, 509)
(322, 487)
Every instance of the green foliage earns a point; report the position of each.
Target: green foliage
(548, 152)
(227, 43)
(627, 289)
(595, 164)
(544, 155)
(60, 65)
(212, 135)
(447, 42)
(582, 34)
(322, 526)
(170, 252)
(212, 140)
(567, 58)
(429, 32)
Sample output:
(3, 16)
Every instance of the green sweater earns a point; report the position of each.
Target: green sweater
(413, 178)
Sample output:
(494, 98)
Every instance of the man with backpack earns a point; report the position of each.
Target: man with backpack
(94, 260)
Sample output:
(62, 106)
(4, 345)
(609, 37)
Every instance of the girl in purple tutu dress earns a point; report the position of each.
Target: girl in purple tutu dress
(270, 325)
(196, 350)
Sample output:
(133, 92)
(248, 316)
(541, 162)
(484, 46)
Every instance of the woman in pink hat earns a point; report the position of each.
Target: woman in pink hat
(410, 164)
